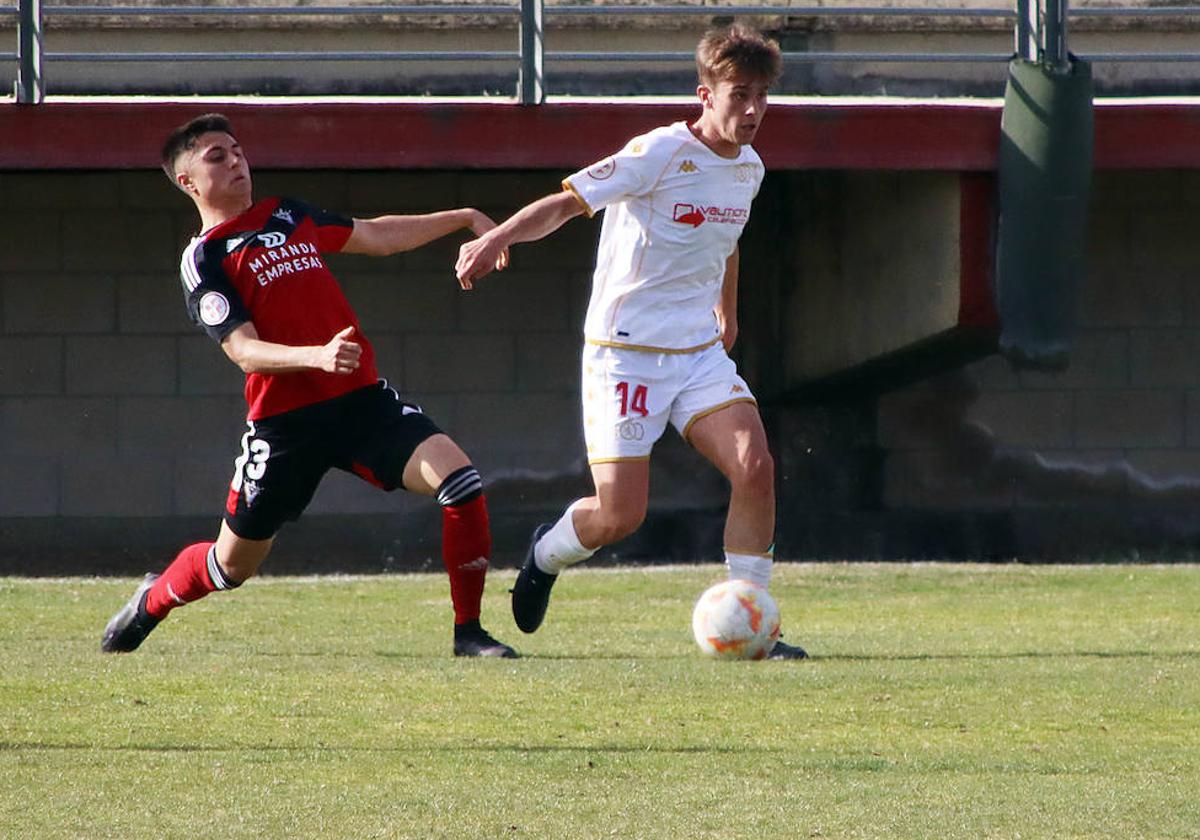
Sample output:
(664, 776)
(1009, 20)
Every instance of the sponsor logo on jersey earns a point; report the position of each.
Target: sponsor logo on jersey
(697, 214)
(214, 308)
(604, 170)
(272, 238)
(687, 214)
(688, 167)
(284, 216)
(291, 258)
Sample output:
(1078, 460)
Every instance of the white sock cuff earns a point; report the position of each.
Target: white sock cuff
(560, 546)
(752, 567)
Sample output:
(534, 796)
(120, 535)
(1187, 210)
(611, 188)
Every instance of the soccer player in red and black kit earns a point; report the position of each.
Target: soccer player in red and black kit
(256, 281)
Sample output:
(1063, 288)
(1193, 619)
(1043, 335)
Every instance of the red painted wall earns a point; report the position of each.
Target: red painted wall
(447, 135)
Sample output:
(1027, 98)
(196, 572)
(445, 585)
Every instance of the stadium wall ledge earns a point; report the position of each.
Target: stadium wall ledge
(826, 133)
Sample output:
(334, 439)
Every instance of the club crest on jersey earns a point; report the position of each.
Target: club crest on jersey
(284, 216)
(603, 170)
(250, 490)
(743, 173)
(688, 167)
(214, 308)
(272, 238)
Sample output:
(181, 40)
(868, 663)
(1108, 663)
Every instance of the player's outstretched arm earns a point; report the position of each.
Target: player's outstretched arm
(385, 235)
(478, 257)
(253, 355)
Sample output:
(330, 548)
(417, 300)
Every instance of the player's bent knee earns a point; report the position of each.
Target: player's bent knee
(755, 474)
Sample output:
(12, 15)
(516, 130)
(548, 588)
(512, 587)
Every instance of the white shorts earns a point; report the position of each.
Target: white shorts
(629, 395)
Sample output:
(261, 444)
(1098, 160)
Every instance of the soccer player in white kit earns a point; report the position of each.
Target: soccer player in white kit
(662, 316)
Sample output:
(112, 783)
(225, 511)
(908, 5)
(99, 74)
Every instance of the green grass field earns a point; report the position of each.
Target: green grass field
(942, 701)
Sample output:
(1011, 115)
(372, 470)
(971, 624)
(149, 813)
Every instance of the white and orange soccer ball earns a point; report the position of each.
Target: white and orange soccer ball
(736, 619)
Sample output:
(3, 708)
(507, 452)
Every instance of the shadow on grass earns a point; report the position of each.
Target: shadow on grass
(12, 746)
(813, 658)
(1066, 654)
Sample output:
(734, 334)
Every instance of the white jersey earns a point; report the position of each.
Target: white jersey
(674, 212)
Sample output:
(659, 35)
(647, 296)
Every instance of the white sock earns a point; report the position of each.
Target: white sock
(755, 568)
(560, 546)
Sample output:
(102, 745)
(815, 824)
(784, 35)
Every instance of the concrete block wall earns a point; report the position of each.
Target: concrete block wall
(84, 351)
(119, 420)
(112, 404)
(877, 266)
(1117, 433)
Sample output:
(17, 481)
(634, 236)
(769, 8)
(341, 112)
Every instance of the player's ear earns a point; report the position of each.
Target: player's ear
(704, 92)
(184, 181)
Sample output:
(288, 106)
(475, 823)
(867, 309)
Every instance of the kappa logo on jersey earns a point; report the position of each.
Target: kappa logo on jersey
(603, 170)
(235, 243)
(697, 214)
(272, 238)
(688, 167)
(284, 216)
(214, 308)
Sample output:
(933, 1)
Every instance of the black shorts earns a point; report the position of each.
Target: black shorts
(369, 432)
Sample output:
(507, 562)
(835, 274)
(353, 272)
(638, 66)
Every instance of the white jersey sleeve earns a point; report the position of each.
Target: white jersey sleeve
(633, 171)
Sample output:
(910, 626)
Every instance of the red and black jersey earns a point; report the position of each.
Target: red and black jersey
(266, 267)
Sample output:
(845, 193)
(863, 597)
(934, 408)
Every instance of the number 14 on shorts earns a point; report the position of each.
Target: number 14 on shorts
(634, 401)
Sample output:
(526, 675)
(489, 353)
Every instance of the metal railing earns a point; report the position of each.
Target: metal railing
(1040, 34)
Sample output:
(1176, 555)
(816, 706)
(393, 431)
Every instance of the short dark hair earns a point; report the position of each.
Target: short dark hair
(723, 53)
(185, 136)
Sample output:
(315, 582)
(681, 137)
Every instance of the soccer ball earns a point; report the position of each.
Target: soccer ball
(736, 619)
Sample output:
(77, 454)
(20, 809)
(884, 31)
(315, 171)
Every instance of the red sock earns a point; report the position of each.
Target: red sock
(185, 580)
(466, 547)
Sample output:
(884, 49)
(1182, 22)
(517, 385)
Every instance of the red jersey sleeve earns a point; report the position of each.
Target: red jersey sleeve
(332, 229)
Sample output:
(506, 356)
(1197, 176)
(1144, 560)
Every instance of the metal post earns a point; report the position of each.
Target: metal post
(531, 88)
(1055, 45)
(29, 87)
(1026, 34)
